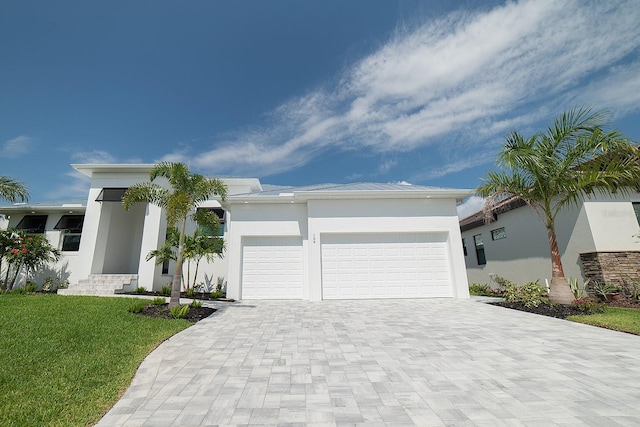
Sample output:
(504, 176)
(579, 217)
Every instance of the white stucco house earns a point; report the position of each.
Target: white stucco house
(331, 241)
(596, 241)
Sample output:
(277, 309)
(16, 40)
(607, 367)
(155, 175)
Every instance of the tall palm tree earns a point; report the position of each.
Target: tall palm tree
(12, 190)
(560, 167)
(186, 193)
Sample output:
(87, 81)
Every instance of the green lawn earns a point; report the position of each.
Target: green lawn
(619, 319)
(64, 360)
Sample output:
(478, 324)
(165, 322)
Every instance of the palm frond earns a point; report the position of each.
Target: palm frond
(12, 190)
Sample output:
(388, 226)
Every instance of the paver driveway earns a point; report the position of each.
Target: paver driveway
(397, 362)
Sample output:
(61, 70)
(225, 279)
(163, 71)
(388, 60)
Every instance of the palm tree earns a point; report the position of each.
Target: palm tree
(12, 190)
(560, 167)
(186, 193)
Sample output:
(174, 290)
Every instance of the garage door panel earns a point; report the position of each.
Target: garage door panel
(385, 266)
(272, 267)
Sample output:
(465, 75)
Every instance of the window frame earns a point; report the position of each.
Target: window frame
(27, 223)
(495, 232)
(481, 256)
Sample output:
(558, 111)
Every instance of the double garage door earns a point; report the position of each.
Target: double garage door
(354, 266)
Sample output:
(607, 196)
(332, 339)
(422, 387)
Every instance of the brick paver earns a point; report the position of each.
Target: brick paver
(379, 363)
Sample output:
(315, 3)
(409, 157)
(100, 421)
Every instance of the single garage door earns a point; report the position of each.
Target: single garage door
(358, 266)
(272, 267)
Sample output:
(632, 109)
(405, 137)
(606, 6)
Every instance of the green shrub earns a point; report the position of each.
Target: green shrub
(217, 294)
(158, 301)
(191, 292)
(179, 312)
(166, 290)
(531, 294)
(140, 290)
(602, 290)
(18, 291)
(196, 304)
(577, 290)
(632, 290)
(479, 289)
(31, 287)
(588, 306)
(137, 306)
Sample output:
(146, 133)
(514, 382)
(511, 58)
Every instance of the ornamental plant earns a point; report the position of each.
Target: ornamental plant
(26, 254)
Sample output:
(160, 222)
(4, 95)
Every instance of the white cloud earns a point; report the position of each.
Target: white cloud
(470, 206)
(471, 74)
(94, 157)
(16, 147)
(76, 187)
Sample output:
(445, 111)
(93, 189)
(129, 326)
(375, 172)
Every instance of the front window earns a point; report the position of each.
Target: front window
(498, 233)
(479, 243)
(209, 231)
(636, 208)
(71, 231)
(32, 224)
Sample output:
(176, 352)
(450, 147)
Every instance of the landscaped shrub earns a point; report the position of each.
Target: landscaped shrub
(191, 292)
(196, 304)
(577, 290)
(632, 290)
(479, 289)
(137, 306)
(52, 284)
(179, 312)
(217, 294)
(158, 301)
(589, 306)
(140, 290)
(166, 290)
(31, 287)
(531, 294)
(502, 284)
(602, 290)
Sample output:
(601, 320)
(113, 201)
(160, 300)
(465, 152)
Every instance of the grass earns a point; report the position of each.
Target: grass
(619, 319)
(66, 360)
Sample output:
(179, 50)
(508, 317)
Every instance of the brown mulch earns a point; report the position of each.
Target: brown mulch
(194, 315)
(557, 311)
(564, 311)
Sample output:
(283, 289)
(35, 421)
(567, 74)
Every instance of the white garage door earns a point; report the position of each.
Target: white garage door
(358, 266)
(272, 267)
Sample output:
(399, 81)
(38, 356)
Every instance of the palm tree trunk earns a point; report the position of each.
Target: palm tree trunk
(560, 291)
(177, 274)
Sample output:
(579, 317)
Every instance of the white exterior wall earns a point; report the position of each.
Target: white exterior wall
(613, 224)
(316, 218)
(599, 224)
(70, 261)
(263, 219)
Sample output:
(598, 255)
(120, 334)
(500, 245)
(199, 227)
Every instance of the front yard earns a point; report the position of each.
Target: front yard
(66, 360)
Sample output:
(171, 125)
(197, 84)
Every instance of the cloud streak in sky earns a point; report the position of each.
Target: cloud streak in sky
(16, 147)
(475, 75)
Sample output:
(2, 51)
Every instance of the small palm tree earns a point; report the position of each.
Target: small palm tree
(560, 167)
(12, 190)
(186, 193)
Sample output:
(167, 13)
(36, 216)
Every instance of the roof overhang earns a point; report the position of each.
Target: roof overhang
(304, 196)
(90, 169)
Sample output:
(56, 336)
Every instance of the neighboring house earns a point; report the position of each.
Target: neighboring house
(596, 240)
(332, 241)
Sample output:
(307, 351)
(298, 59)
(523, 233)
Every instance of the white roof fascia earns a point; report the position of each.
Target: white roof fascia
(90, 169)
(458, 194)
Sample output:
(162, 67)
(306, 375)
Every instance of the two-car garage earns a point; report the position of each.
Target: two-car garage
(353, 266)
(345, 241)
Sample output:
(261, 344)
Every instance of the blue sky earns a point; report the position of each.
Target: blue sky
(300, 92)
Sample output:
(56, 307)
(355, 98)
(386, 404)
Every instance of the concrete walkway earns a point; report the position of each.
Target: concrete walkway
(378, 363)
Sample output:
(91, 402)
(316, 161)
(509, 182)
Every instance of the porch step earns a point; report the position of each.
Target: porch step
(102, 284)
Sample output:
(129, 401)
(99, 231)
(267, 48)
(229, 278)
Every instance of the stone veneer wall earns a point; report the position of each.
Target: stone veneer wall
(613, 268)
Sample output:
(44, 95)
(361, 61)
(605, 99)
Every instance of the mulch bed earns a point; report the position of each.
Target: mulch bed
(204, 296)
(563, 311)
(557, 311)
(194, 315)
